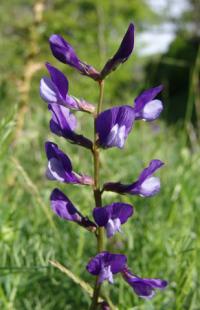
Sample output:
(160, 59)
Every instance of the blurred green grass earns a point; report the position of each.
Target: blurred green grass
(162, 238)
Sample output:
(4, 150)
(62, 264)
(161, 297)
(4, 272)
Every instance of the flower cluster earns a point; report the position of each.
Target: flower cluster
(112, 128)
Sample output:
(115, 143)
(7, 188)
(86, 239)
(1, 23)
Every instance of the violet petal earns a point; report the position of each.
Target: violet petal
(114, 125)
(146, 107)
(122, 54)
(64, 52)
(146, 185)
(63, 207)
(63, 123)
(105, 259)
(112, 216)
(144, 288)
(60, 167)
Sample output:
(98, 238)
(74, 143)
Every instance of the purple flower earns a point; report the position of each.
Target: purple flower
(105, 264)
(122, 54)
(114, 125)
(112, 216)
(65, 53)
(63, 123)
(145, 186)
(144, 288)
(60, 167)
(55, 90)
(146, 107)
(63, 207)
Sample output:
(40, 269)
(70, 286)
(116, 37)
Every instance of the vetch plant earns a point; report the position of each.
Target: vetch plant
(111, 128)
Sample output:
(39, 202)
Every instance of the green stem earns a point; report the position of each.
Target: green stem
(97, 194)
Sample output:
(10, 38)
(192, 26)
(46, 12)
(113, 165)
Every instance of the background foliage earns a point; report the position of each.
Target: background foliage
(162, 239)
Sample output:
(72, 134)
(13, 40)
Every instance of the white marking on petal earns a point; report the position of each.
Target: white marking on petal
(110, 275)
(56, 169)
(152, 110)
(117, 224)
(150, 186)
(149, 296)
(105, 274)
(116, 136)
(121, 135)
(112, 134)
(112, 227)
(48, 90)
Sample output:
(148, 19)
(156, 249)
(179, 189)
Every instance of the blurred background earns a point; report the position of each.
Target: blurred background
(162, 239)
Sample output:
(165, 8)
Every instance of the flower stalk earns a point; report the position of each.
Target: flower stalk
(97, 192)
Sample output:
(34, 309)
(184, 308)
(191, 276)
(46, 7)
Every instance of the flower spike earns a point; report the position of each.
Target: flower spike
(122, 54)
(145, 186)
(60, 167)
(112, 216)
(111, 129)
(65, 53)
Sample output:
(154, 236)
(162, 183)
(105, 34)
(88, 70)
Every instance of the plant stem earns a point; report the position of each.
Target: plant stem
(97, 194)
